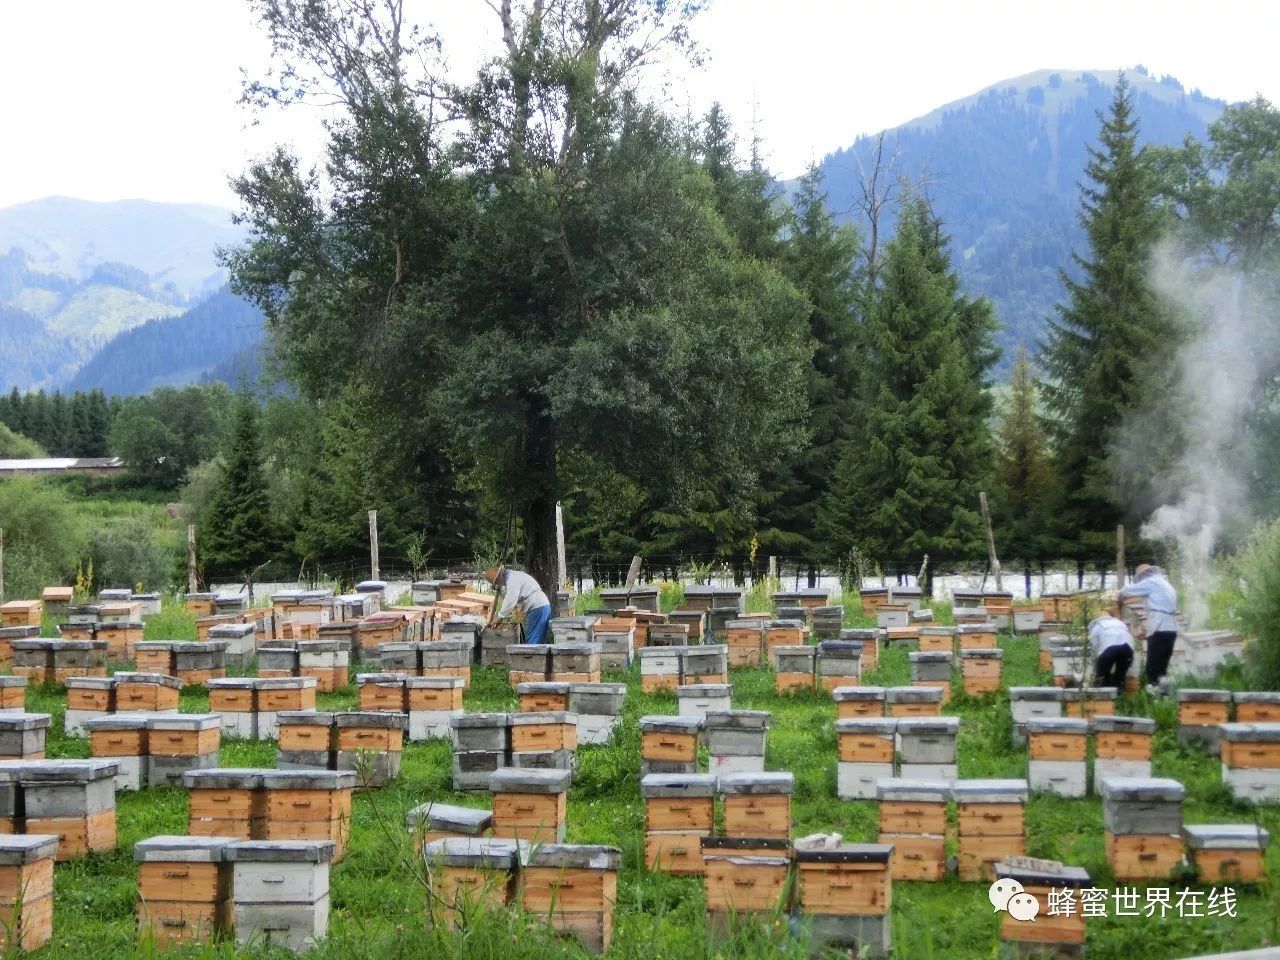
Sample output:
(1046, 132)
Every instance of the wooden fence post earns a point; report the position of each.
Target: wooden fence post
(991, 542)
(373, 544)
(192, 585)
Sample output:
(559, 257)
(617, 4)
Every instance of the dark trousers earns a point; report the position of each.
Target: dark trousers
(1159, 650)
(1111, 666)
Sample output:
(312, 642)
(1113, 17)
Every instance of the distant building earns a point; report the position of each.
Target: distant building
(43, 466)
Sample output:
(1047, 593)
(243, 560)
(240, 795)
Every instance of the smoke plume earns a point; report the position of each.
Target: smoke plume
(1196, 448)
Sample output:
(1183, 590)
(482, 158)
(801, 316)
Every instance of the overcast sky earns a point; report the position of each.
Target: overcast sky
(108, 99)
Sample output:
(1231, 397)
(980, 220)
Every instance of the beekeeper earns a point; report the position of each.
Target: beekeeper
(1111, 645)
(521, 590)
(1161, 600)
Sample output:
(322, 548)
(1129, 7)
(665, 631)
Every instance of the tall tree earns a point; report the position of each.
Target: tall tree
(240, 534)
(1107, 335)
(908, 484)
(1026, 476)
(566, 288)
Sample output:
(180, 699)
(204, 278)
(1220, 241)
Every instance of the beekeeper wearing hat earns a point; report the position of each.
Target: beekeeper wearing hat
(521, 590)
(1111, 645)
(1161, 600)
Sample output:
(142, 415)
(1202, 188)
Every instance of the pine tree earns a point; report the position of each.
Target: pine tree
(1026, 476)
(908, 484)
(239, 535)
(821, 260)
(1102, 344)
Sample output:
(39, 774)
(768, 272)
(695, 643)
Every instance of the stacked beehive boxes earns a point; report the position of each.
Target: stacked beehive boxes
(1228, 852)
(530, 805)
(991, 824)
(494, 640)
(369, 744)
(26, 891)
(736, 740)
(745, 639)
(72, 799)
(1142, 817)
(120, 636)
(669, 744)
(1121, 747)
(937, 639)
(306, 740)
(794, 668)
(783, 633)
(226, 802)
(179, 742)
(122, 739)
(743, 885)
(928, 747)
(1199, 714)
(844, 896)
(932, 669)
(528, 662)
(1027, 620)
(137, 692)
(22, 735)
(1251, 761)
(617, 639)
(757, 805)
(1088, 702)
(659, 669)
(854, 702)
(679, 809)
(184, 889)
(698, 699)
(1057, 749)
(913, 818)
(574, 887)
(545, 740)
(981, 670)
(575, 662)
(276, 694)
(280, 891)
(235, 700)
(87, 698)
(865, 755)
(1058, 936)
(891, 615)
(598, 707)
(708, 663)
(431, 702)
(870, 599)
(469, 874)
(57, 599)
(839, 664)
(13, 694)
(481, 747)
(1033, 703)
(828, 621)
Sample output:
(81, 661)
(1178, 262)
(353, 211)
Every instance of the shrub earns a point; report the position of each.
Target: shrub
(42, 536)
(1258, 609)
(125, 553)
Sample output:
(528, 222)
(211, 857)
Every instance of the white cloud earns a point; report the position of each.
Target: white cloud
(137, 98)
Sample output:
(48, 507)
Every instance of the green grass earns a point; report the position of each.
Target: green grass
(378, 900)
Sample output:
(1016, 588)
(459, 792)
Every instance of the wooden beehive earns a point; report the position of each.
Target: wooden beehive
(991, 825)
(309, 805)
(530, 805)
(146, 692)
(745, 639)
(26, 890)
(757, 804)
(184, 889)
(670, 738)
(1037, 878)
(1228, 853)
(21, 613)
(679, 811)
(226, 803)
(845, 880)
(981, 670)
(913, 816)
(469, 874)
(574, 887)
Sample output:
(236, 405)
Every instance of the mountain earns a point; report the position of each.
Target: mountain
(74, 274)
(1002, 169)
(174, 351)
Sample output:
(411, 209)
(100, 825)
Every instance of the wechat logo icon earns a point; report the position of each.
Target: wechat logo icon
(1007, 895)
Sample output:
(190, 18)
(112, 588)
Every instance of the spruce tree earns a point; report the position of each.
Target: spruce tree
(1026, 476)
(1102, 345)
(239, 535)
(908, 483)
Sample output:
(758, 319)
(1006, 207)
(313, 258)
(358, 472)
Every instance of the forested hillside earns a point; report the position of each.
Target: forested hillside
(173, 350)
(1001, 170)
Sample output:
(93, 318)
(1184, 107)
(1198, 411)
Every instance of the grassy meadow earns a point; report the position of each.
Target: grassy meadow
(378, 897)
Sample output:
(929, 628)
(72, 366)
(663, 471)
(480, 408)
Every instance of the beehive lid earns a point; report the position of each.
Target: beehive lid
(1226, 836)
(1074, 726)
(10, 722)
(514, 780)
(667, 723)
(309, 779)
(118, 721)
(930, 656)
(938, 631)
(62, 771)
(448, 816)
(472, 721)
(22, 848)
(1202, 696)
(304, 718)
(991, 653)
(846, 853)
(537, 718)
(571, 856)
(654, 785)
(575, 649)
(395, 679)
(1042, 873)
(487, 853)
(699, 690)
(744, 843)
(879, 726)
(176, 849)
(754, 784)
(321, 646)
(1109, 723)
(858, 693)
(1037, 694)
(279, 851)
(232, 683)
(914, 694)
(1256, 696)
(1141, 789)
(371, 719)
(156, 679)
(614, 689)
(913, 791)
(738, 719)
(224, 778)
(707, 650)
(989, 791)
(837, 648)
(976, 628)
(740, 624)
(532, 687)
(371, 586)
(18, 681)
(286, 683)
(433, 683)
(87, 683)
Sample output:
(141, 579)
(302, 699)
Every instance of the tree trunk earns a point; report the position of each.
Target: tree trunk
(1079, 574)
(539, 512)
(1026, 574)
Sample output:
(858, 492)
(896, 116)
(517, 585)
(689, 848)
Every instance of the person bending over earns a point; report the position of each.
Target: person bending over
(521, 590)
(1112, 647)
